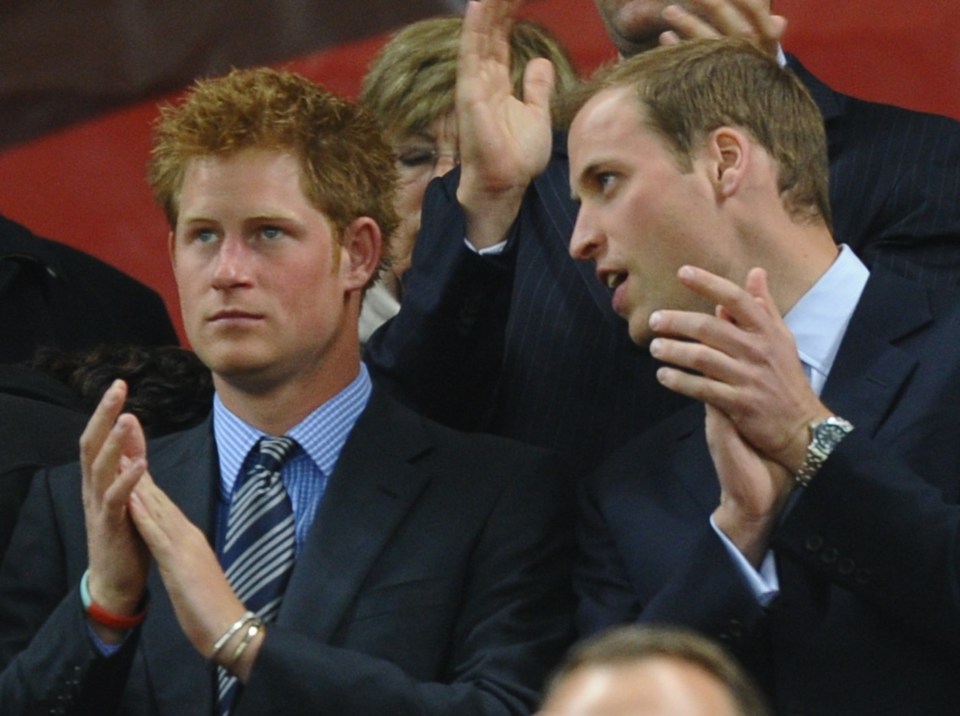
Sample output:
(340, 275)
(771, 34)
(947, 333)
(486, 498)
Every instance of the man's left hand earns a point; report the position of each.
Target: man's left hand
(203, 600)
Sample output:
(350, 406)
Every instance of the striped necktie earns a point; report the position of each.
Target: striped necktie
(260, 543)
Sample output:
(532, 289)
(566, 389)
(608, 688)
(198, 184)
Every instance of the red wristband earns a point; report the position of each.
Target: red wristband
(99, 615)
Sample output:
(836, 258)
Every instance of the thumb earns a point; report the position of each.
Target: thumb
(756, 285)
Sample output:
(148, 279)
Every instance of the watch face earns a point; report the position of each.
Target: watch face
(830, 432)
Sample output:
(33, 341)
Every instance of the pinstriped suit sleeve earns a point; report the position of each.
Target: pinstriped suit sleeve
(894, 183)
(441, 353)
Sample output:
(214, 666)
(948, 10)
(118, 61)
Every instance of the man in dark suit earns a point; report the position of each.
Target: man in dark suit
(514, 343)
(816, 536)
(410, 569)
(54, 295)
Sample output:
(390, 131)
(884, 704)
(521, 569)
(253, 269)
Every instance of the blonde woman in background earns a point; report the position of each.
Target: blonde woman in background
(410, 89)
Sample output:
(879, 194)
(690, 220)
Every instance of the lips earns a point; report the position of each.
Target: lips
(613, 280)
(610, 278)
(233, 315)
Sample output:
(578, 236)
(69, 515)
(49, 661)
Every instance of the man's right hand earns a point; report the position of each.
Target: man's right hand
(113, 458)
(504, 141)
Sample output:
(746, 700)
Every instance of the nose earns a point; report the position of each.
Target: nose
(587, 237)
(231, 262)
(445, 162)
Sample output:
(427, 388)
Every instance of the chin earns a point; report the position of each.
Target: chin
(640, 333)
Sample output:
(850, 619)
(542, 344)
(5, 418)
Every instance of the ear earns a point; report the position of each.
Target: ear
(730, 152)
(171, 244)
(360, 249)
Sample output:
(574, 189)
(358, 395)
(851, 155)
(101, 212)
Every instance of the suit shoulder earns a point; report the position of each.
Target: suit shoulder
(464, 456)
(650, 450)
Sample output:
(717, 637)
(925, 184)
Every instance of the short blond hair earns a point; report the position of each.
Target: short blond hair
(412, 80)
(686, 91)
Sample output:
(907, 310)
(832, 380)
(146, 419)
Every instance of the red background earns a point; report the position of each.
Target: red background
(85, 186)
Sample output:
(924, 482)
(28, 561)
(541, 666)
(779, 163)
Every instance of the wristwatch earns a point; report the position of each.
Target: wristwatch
(825, 435)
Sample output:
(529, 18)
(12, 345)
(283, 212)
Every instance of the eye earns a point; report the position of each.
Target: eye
(271, 233)
(605, 181)
(416, 157)
(204, 236)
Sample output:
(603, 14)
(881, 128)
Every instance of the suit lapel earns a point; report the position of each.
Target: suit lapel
(372, 487)
(870, 369)
(185, 468)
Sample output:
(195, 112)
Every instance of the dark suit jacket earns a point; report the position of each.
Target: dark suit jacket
(529, 347)
(894, 183)
(868, 616)
(54, 295)
(435, 581)
(41, 420)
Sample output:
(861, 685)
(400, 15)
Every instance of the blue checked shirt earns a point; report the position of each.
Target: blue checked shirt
(321, 435)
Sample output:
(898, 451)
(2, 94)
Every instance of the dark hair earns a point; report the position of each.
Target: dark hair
(169, 389)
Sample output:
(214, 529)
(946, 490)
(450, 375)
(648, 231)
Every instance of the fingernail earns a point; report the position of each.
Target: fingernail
(655, 347)
(655, 319)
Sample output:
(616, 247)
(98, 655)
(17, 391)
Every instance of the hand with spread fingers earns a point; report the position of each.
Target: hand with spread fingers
(504, 140)
(203, 600)
(743, 361)
(749, 19)
(113, 460)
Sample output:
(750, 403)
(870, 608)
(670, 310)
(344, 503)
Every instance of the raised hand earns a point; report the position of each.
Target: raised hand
(749, 19)
(504, 140)
(113, 459)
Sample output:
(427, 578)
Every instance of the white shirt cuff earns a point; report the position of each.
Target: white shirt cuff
(764, 582)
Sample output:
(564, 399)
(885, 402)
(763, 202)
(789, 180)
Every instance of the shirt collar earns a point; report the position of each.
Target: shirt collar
(819, 319)
(321, 434)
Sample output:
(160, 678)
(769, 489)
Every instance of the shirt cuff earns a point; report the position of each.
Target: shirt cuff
(763, 583)
(101, 646)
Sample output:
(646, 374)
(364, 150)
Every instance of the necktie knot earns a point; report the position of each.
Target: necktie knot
(271, 454)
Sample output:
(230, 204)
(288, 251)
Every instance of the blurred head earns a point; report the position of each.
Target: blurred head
(650, 148)
(347, 169)
(646, 671)
(410, 89)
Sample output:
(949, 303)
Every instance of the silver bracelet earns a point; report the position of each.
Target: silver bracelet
(252, 631)
(228, 634)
